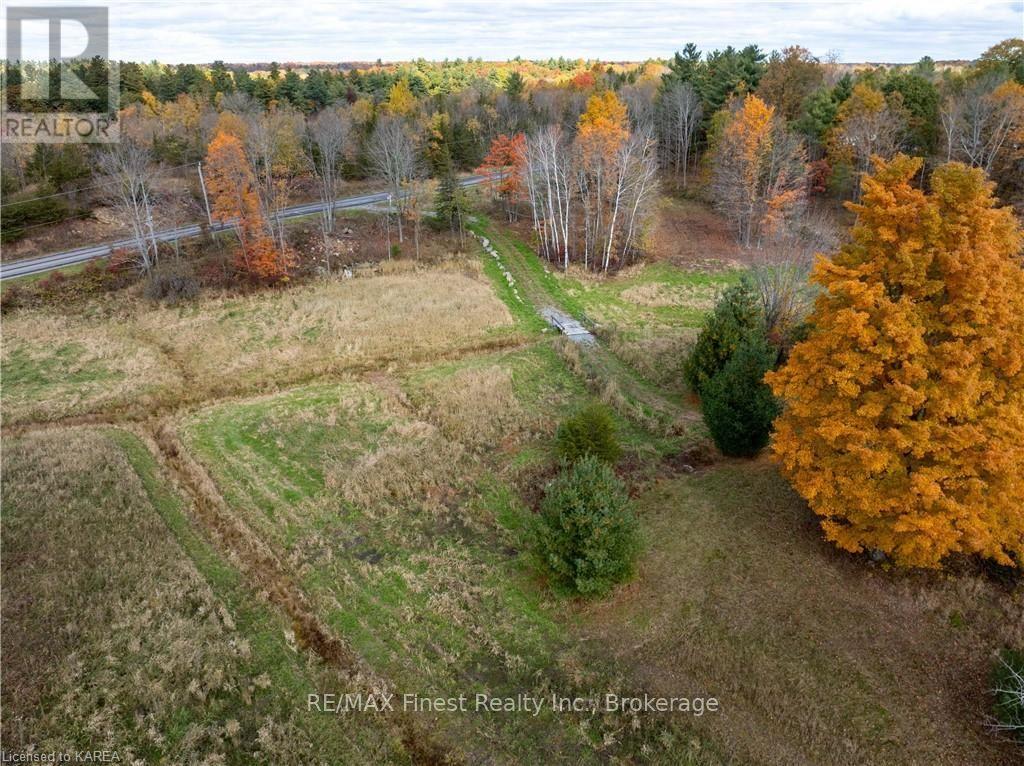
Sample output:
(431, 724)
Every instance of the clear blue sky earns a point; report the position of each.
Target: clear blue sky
(262, 30)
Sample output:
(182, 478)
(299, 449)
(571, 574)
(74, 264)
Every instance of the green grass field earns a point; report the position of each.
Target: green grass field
(822, 658)
(330, 489)
(405, 525)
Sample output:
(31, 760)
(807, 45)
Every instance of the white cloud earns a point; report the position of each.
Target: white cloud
(315, 30)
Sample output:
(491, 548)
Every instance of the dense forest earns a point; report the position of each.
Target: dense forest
(580, 145)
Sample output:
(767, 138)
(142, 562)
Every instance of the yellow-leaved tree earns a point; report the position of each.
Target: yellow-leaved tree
(903, 424)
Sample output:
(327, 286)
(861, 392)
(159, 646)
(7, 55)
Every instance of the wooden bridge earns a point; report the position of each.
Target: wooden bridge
(567, 325)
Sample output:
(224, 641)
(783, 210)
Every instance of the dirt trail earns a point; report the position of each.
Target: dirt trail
(269, 576)
(192, 397)
(606, 374)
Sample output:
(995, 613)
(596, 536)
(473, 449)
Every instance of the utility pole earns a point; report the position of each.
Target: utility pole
(206, 199)
(388, 219)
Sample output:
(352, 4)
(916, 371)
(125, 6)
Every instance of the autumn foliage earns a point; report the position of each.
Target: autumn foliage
(506, 161)
(603, 127)
(759, 170)
(234, 199)
(583, 81)
(591, 194)
(904, 409)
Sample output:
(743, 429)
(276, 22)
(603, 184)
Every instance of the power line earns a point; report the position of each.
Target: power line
(86, 214)
(83, 188)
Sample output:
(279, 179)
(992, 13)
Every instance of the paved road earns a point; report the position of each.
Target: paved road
(25, 266)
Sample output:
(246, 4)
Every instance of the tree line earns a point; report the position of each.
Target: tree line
(579, 146)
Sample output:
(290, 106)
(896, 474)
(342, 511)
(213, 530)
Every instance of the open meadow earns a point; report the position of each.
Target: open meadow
(469, 384)
(127, 356)
(215, 510)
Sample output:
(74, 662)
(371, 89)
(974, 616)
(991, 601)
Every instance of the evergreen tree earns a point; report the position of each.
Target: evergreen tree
(514, 86)
(244, 82)
(685, 66)
(450, 204)
(220, 78)
(737, 314)
(290, 89)
(315, 89)
(738, 406)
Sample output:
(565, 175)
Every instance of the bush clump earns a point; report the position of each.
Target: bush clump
(172, 283)
(11, 298)
(737, 404)
(21, 215)
(587, 537)
(590, 431)
(737, 314)
(1008, 688)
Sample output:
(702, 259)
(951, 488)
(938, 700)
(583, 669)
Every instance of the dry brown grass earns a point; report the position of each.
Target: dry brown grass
(816, 656)
(145, 358)
(661, 295)
(358, 321)
(114, 640)
(478, 407)
(412, 464)
(55, 365)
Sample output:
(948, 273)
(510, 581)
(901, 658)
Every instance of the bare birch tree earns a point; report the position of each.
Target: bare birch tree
(549, 182)
(591, 212)
(326, 144)
(636, 188)
(679, 114)
(395, 160)
(128, 176)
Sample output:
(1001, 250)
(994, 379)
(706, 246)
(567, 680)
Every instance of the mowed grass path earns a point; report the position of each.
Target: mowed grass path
(626, 374)
(393, 500)
(647, 314)
(125, 631)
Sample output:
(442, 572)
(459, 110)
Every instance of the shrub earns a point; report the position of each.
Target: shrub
(1008, 688)
(98, 277)
(22, 215)
(738, 405)
(53, 286)
(591, 431)
(172, 282)
(586, 535)
(11, 298)
(736, 315)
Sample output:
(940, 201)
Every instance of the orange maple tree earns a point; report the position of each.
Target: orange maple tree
(583, 81)
(234, 200)
(506, 163)
(904, 409)
(603, 131)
